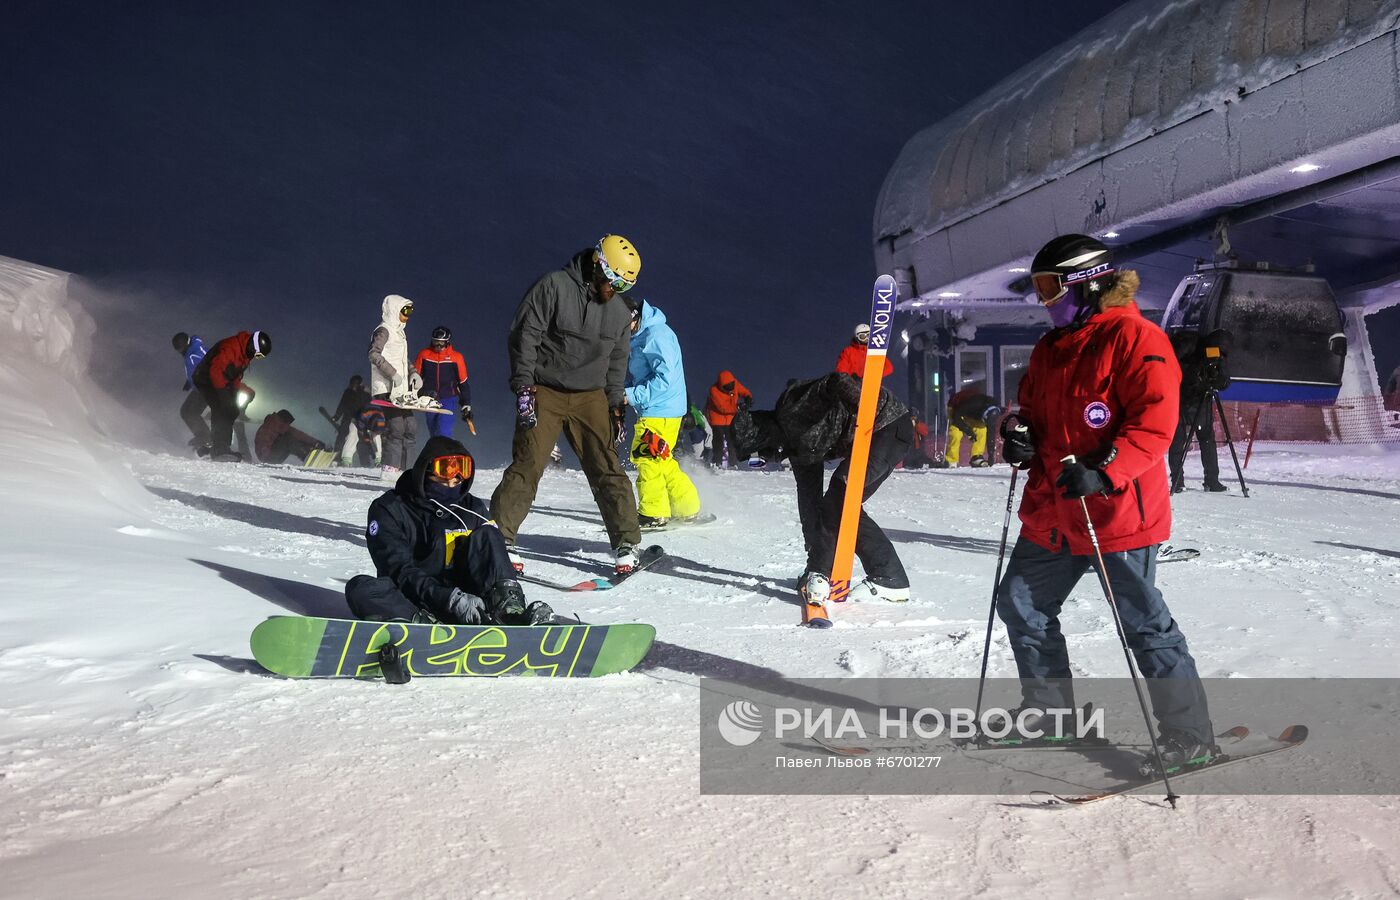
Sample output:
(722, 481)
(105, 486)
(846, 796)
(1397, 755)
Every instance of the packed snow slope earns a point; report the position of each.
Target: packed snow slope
(143, 753)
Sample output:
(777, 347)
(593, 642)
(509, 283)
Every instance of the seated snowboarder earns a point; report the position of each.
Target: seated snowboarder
(276, 439)
(437, 554)
(815, 421)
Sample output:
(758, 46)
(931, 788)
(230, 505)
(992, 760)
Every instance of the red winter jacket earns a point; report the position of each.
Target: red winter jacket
(1106, 391)
(852, 360)
(223, 367)
(723, 404)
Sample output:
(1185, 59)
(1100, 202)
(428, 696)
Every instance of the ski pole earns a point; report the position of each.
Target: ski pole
(1123, 639)
(992, 613)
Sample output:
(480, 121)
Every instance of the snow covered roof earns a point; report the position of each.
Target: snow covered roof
(1157, 115)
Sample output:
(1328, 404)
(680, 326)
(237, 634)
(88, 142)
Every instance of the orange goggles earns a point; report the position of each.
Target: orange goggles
(457, 465)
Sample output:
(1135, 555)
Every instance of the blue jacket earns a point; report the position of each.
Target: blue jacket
(194, 354)
(655, 376)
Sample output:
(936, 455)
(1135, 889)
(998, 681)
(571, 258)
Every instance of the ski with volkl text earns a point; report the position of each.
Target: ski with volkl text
(882, 301)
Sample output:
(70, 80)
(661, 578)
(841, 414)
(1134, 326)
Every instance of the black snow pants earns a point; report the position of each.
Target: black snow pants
(821, 513)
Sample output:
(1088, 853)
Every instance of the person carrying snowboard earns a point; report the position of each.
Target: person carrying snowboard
(437, 555)
(815, 421)
(852, 358)
(725, 396)
(656, 390)
(568, 349)
(219, 378)
(444, 375)
(1101, 387)
(392, 378)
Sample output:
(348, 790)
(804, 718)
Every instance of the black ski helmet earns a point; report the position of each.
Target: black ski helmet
(260, 344)
(180, 342)
(442, 333)
(1073, 259)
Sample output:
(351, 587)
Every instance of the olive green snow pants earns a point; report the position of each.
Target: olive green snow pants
(583, 417)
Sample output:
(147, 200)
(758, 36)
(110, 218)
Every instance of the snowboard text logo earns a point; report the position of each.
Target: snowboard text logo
(1097, 414)
(740, 723)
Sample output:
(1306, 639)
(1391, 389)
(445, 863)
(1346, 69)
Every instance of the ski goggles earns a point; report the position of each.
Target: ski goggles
(1049, 287)
(618, 282)
(458, 465)
(406, 310)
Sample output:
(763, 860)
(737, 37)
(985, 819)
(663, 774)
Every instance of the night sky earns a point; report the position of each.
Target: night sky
(284, 166)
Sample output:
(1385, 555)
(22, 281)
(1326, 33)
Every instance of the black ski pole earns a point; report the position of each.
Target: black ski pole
(1229, 442)
(992, 613)
(1123, 639)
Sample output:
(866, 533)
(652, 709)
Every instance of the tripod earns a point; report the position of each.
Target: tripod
(1211, 399)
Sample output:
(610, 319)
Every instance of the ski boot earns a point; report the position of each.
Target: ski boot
(517, 562)
(1179, 751)
(872, 590)
(814, 589)
(627, 559)
(1178, 484)
(1215, 486)
(232, 456)
(653, 521)
(506, 605)
(979, 462)
(940, 464)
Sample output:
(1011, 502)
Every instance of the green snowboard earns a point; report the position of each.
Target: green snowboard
(305, 647)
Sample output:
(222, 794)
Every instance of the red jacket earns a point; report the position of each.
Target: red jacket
(224, 366)
(852, 360)
(1108, 390)
(723, 404)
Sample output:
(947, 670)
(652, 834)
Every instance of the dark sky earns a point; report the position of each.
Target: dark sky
(284, 166)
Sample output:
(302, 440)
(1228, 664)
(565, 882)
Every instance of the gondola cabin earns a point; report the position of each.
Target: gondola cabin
(1286, 329)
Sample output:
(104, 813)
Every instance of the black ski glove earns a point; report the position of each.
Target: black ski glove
(1017, 442)
(525, 415)
(618, 415)
(1079, 480)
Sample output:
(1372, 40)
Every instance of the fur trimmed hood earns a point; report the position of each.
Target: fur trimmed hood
(1123, 292)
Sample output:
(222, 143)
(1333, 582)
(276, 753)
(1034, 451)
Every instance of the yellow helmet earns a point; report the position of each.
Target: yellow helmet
(620, 261)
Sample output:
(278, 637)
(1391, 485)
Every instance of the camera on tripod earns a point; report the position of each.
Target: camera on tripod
(1204, 360)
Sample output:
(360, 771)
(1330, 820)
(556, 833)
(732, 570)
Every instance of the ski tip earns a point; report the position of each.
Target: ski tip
(1239, 732)
(1294, 734)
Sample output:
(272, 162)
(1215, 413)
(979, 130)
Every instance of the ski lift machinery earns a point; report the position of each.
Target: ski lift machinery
(1287, 342)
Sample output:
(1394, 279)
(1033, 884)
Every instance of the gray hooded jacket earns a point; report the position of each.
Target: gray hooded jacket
(563, 338)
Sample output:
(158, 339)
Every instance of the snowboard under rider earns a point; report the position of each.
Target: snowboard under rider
(568, 346)
(438, 556)
(1102, 387)
(815, 421)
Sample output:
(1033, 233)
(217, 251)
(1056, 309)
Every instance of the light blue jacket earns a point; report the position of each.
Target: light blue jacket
(655, 375)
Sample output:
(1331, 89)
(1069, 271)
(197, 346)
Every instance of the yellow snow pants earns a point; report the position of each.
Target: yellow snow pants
(955, 436)
(662, 488)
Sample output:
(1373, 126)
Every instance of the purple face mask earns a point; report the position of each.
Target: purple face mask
(1064, 311)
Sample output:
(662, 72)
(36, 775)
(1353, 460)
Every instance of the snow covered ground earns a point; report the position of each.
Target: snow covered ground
(142, 752)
